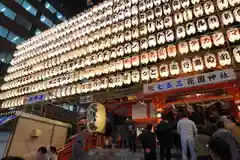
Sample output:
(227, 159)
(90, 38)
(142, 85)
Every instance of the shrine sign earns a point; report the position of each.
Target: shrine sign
(190, 81)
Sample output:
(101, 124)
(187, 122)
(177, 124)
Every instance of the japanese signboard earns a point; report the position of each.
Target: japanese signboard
(191, 81)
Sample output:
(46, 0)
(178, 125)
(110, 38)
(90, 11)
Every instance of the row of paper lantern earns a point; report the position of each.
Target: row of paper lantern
(193, 45)
(81, 20)
(213, 23)
(196, 64)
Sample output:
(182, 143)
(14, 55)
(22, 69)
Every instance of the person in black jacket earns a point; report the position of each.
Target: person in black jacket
(132, 133)
(164, 135)
(148, 140)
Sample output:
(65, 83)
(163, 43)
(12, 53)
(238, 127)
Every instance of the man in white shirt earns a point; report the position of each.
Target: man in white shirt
(187, 130)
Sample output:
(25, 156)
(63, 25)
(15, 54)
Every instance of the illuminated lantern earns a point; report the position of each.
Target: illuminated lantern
(169, 34)
(79, 88)
(201, 25)
(120, 51)
(158, 11)
(128, 12)
(153, 56)
(194, 45)
(73, 89)
(135, 46)
(119, 65)
(197, 63)
(149, 4)
(98, 70)
(236, 13)
(174, 68)
(127, 78)
(206, 42)
(163, 70)
(198, 10)
(218, 38)
(180, 32)
(176, 5)
(94, 59)
(119, 80)
(105, 69)
(151, 27)
(135, 76)
(227, 17)
(222, 4)
(135, 33)
(127, 48)
(127, 63)
(209, 7)
(213, 22)
(144, 58)
(112, 81)
(187, 15)
(104, 83)
(150, 15)
(178, 18)
(154, 72)
(112, 67)
(236, 53)
(128, 23)
(233, 34)
(168, 22)
(128, 3)
(190, 28)
(224, 58)
(162, 53)
(159, 24)
(185, 3)
(145, 74)
(183, 47)
(166, 9)
(114, 28)
(144, 43)
(143, 30)
(134, 1)
(134, 10)
(186, 65)
(135, 21)
(96, 118)
(156, 2)
(120, 38)
(135, 61)
(172, 51)
(152, 41)
(142, 6)
(210, 60)
(128, 35)
(161, 38)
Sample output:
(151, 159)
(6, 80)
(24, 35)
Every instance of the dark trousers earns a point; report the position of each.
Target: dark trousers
(132, 142)
(165, 152)
(150, 156)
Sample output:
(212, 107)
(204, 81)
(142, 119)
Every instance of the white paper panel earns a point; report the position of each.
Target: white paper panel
(139, 111)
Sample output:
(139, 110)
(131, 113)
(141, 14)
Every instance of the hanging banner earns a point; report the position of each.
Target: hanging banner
(191, 81)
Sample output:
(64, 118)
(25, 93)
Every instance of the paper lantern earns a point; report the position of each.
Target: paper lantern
(224, 58)
(172, 51)
(145, 74)
(135, 61)
(236, 53)
(119, 80)
(112, 67)
(218, 38)
(210, 60)
(135, 21)
(150, 15)
(127, 48)
(206, 42)
(96, 118)
(128, 23)
(180, 32)
(168, 22)
(128, 35)
(174, 68)
(135, 46)
(209, 7)
(233, 34)
(154, 72)
(127, 78)
(176, 5)
(197, 63)
(156, 2)
(190, 28)
(119, 65)
(201, 25)
(128, 12)
(134, 1)
(213, 22)
(152, 41)
(187, 15)
(112, 81)
(233, 2)
(227, 17)
(79, 88)
(163, 70)
(160, 38)
(105, 68)
(144, 43)
(151, 27)
(162, 53)
(144, 58)
(127, 63)
(158, 11)
(134, 10)
(159, 24)
(166, 9)
(149, 4)
(104, 83)
(183, 47)
(135, 33)
(185, 3)
(135, 76)
(222, 4)
(120, 51)
(236, 13)
(169, 34)
(198, 10)
(186, 65)
(153, 56)
(178, 18)
(194, 45)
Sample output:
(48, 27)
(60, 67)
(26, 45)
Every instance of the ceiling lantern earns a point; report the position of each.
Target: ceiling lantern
(162, 53)
(104, 83)
(218, 39)
(183, 47)
(135, 76)
(112, 81)
(206, 42)
(127, 78)
(119, 65)
(198, 63)
(79, 88)
(112, 67)
(233, 34)
(154, 72)
(194, 45)
(135, 61)
(153, 56)
(210, 60)
(97, 84)
(119, 80)
(186, 65)
(144, 58)
(145, 74)
(174, 68)
(224, 58)
(172, 51)
(127, 62)
(236, 53)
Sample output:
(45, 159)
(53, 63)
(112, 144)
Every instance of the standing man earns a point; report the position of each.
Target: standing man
(148, 140)
(164, 135)
(187, 130)
(132, 134)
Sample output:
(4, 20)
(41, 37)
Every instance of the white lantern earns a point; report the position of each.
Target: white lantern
(127, 78)
(135, 76)
(119, 80)
(152, 41)
(134, 10)
(135, 21)
(145, 74)
(127, 48)
(128, 12)
(183, 47)
(151, 27)
(172, 51)
(174, 68)
(198, 63)
(143, 30)
(161, 38)
(190, 28)
(105, 69)
(112, 67)
(135, 61)
(224, 58)
(104, 83)
(142, 6)
(201, 25)
(213, 22)
(168, 22)
(233, 2)
(149, 4)
(159, 24)
(236, 53)
(194, 45)
(153, 56)
(156, 2)
(176, 5)
(218, 38)
(127, 63)
(187, 15)
(150, 15)
(180, 32)
(135, 46)
(162, 53)
(209, 7)
(163, 70)
(169, 34)
(154, 72)
(206, 42)
(198, 10)
(210, 60)
(167, 9)
(112, 81)
(135, 33)
(119, 65)
(236, 13)
(178, 18)
(144, 58)
(158, 11)
(227, 17)
(233, 34)
(186, 65)
(222, 4)
(128, 23)
(144, 43)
